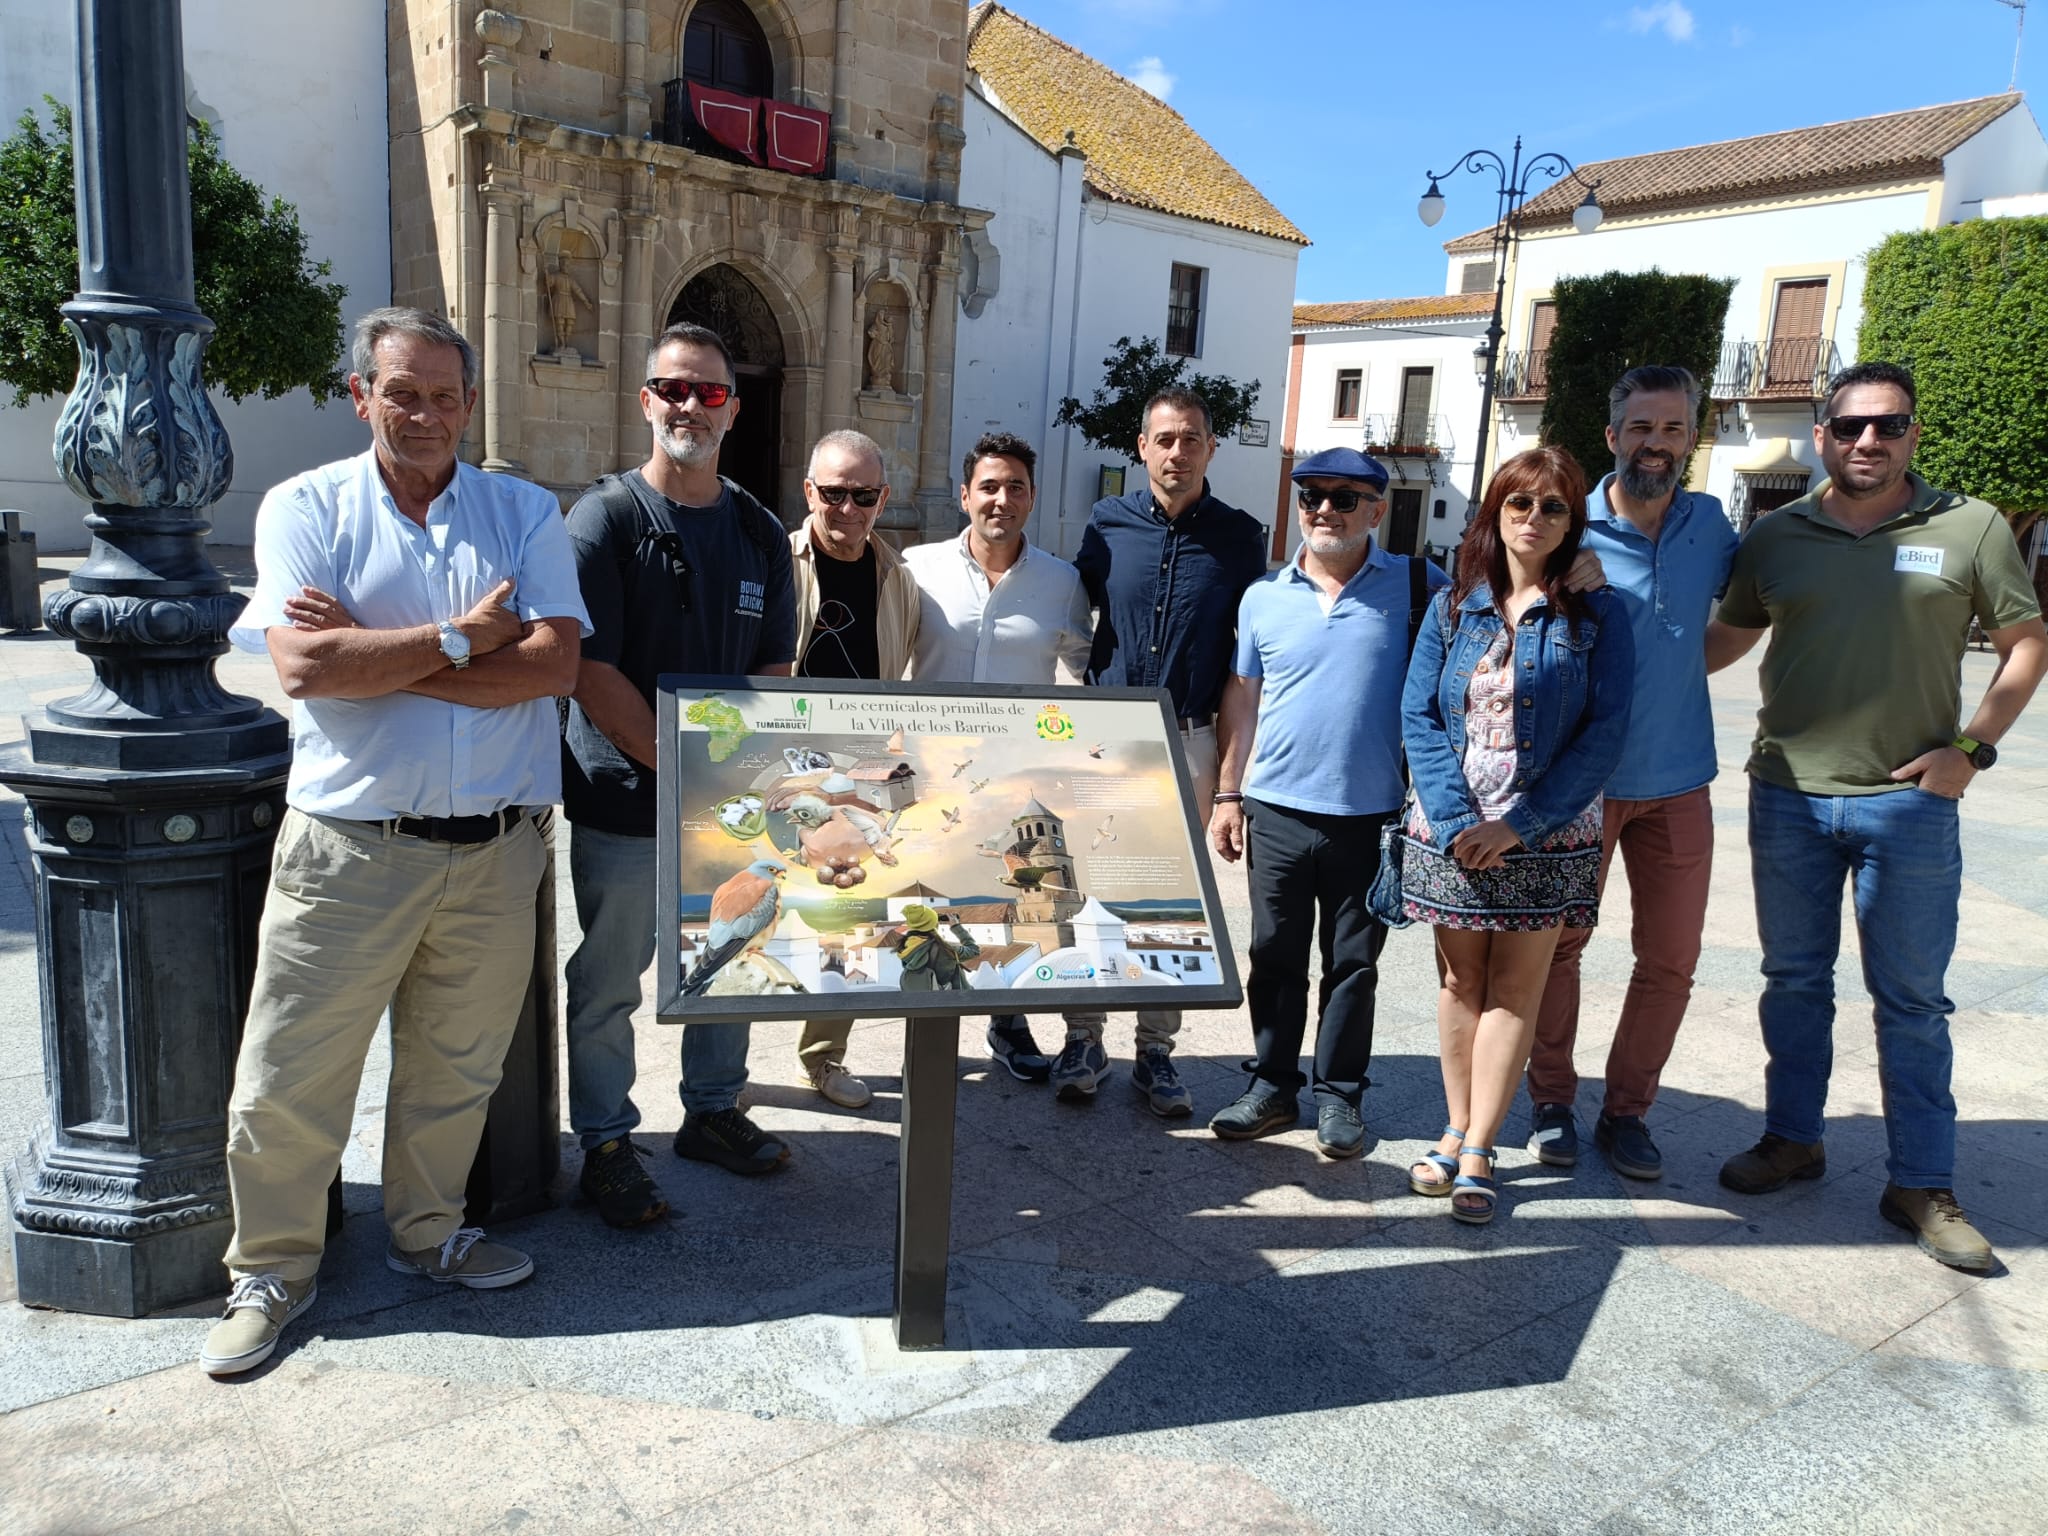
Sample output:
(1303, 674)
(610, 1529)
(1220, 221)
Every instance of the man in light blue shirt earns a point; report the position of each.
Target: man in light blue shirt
(421, 616)
(1667, 553)
(1311, 769)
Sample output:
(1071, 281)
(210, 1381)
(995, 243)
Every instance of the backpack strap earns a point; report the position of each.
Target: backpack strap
(1418, 597)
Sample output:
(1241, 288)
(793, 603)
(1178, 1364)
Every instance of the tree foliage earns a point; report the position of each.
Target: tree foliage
(1966, 309)
(277, 324)
(1133, 373)
(1615, 321)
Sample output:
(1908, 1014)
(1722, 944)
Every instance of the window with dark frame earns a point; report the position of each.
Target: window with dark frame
(1184, 311)
(1792, 358)
(724, 48)
(1350, 388)
(1411, 430)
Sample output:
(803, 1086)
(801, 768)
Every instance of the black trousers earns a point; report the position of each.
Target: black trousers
(1308, 874)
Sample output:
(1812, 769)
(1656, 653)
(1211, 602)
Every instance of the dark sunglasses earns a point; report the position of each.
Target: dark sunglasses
(864, 496)
(1849, 429)
(677, 391)
(1342, 501)
(1524, 503)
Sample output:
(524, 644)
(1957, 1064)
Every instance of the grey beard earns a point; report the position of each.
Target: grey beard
(688, 452)
(1643, 485)
(1336, 543)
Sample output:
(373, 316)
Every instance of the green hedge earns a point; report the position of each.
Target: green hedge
(1615, 321)
(1966, 309)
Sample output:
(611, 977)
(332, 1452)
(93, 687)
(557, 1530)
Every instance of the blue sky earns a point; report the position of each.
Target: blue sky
(1335, 109)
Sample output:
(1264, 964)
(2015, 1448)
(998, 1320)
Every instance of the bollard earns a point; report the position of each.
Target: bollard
(21, 605)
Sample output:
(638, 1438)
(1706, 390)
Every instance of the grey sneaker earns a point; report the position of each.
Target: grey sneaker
(465, 1259)
(258, 1308)
(1552, 1135)
(1153, 1075)
(1081, 1067)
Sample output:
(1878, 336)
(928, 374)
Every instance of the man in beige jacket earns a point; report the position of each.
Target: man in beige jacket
(856, 616)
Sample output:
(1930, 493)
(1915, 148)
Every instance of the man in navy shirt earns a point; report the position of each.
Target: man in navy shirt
(1311, 771)
(1666, 552)
(1164, 568)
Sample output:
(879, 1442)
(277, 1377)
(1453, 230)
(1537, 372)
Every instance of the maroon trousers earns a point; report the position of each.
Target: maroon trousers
(1668, 846)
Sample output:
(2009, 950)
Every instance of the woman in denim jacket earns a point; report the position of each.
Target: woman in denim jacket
(1513, 714)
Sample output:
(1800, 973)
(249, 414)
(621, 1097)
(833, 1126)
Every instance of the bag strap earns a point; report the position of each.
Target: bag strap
(1418, 597)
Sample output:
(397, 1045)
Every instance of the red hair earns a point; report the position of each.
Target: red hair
(1483, 557)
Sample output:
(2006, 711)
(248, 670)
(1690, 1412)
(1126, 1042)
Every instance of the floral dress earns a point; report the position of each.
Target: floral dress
(1556, 882)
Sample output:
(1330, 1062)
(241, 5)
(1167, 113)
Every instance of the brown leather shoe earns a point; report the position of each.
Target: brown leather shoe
(1773, 1163)
(1934, 1218)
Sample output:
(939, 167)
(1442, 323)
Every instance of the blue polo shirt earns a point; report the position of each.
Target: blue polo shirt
(1328, 738)
(1668, 590)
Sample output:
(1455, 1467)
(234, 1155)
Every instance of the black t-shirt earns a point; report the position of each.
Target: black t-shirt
(844, 641)
(734, 613)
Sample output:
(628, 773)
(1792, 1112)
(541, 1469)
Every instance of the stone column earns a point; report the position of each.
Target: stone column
(635, 112)
(935, 443)
(636, 334)
(844, 164)
(153, 796)
(839, 339)
(502, 361)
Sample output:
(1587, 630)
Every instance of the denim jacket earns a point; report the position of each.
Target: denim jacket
(1573, 687)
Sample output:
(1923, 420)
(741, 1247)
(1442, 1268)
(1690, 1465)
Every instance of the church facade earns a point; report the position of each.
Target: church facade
(568, 177)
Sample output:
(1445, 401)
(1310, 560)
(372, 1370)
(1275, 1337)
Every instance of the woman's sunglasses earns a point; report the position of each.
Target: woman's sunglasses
(678, 391)
(1526, 505)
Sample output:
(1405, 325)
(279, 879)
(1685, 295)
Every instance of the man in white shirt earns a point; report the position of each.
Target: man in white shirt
(995, 610)
(421, 615)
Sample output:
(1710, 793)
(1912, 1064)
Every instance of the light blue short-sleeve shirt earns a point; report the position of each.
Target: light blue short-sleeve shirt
(337, 528)
(1668, 589)
(1328, 737)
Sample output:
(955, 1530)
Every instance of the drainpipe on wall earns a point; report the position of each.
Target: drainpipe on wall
(1065, 323)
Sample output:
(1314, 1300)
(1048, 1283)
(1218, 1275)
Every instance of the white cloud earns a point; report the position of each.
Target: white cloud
(1149, 74)
(1667, 16)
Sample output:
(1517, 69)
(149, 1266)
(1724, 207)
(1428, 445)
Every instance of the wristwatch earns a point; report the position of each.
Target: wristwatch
(1980, 753)
(454, 644)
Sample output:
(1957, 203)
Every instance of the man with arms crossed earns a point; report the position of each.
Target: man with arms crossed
(856, 616)
(1666, 553)
(1165, 566)
(420, 613)
(1868, 585)
(1311, 771)
(996, 610)
(683, 572)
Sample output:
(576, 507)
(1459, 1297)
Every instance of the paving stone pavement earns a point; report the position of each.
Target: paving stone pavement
(1152, 1331)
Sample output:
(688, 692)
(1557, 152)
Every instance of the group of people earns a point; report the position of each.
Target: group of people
(1381, 742)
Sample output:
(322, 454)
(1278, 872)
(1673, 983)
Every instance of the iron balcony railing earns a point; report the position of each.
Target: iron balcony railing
(1783, 368)
(1407, 435)
(1524, 375)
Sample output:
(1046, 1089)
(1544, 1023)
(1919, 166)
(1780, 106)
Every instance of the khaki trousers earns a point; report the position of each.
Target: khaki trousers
(357, 919)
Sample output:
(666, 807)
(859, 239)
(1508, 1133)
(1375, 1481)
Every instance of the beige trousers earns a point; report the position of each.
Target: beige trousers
(357, 919)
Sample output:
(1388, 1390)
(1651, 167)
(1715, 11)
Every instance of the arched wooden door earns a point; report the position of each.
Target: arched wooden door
(721, 299)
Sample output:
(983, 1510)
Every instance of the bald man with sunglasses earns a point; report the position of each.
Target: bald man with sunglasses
(856, 616)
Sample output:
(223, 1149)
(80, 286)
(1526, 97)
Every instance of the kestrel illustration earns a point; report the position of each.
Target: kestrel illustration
(743, 911)
(951, 818)
(976, 786)
(960, 768)
(1102, 834)
(1096, 750)
(838, 839)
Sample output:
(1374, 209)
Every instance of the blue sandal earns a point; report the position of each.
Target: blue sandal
(1447, 1161)
(1478, 1187)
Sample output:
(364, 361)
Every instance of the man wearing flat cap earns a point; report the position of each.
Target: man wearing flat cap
(1311, 770)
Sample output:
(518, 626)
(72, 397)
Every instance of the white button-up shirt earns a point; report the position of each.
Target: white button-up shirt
(968, 631)
(337, 528)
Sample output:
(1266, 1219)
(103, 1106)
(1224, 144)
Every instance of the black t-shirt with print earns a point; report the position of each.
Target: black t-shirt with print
(734, 612)
(844, 638)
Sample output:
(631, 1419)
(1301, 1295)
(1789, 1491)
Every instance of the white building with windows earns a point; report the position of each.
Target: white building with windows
(1396, 378)
(1791, 217)
(1112, 218)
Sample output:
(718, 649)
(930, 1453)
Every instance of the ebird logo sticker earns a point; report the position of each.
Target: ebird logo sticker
(1055, 724)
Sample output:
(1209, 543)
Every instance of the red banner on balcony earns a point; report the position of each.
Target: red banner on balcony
(731, 120)
(795, 138)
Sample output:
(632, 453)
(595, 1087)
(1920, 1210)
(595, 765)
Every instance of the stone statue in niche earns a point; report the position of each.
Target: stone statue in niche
(882, 351)
(563, 294)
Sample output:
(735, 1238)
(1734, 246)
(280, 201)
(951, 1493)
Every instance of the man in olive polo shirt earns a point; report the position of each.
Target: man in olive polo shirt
(1861, 754)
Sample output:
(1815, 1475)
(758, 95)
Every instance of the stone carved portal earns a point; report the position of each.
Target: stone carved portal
(568, 281)
(721, 299)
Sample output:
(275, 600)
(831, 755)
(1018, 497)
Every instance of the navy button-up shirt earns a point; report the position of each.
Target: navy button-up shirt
(1166, 592)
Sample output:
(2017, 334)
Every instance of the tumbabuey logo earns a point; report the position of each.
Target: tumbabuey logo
(1054, 724)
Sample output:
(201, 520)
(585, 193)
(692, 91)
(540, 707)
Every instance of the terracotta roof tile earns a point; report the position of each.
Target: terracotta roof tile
(1435, 306)
(1140, 151)
(1892, 147)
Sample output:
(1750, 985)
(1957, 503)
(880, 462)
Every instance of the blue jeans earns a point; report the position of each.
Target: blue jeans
(1902, 852)
(612, 876)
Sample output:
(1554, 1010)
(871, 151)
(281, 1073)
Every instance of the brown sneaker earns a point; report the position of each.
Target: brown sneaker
(1773, 1163)
(258, 1308)
(1934, 1218)
(840, 1086)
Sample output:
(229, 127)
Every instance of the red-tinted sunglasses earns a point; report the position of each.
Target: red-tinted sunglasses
(678, 391)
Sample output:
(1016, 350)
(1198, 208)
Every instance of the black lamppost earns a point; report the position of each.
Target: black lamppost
(153, 796)
(1511, 190)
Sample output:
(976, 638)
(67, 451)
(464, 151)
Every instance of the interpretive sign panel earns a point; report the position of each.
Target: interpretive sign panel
(887, 849)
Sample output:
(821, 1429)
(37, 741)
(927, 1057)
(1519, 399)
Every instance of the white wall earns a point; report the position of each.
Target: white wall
(1032, 345)
(297, 94)
(2008, 158)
